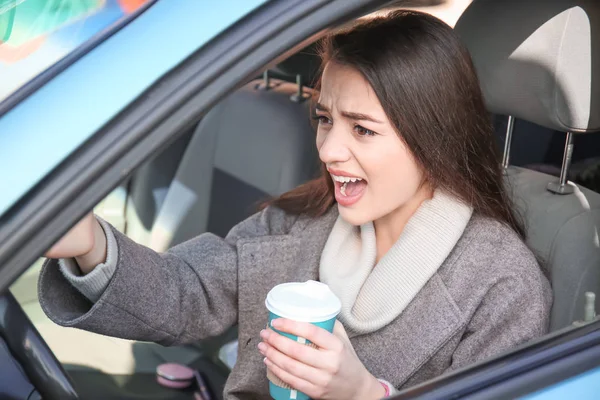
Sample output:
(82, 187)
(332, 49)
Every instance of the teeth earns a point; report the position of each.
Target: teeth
(345, 179)
(343, 189)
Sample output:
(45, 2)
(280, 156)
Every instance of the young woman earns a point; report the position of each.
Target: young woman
(409, 225)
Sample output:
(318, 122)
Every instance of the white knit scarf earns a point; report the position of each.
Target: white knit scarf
(373, 295)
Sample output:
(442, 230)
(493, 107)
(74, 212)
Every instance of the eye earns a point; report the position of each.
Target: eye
(322, 120)
(362, 131)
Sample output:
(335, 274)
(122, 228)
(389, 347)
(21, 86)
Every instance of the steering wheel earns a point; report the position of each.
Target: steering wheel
(33, 354)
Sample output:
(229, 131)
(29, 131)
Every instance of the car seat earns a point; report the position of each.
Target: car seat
(146, 191)
(536, 61)
(257, 143)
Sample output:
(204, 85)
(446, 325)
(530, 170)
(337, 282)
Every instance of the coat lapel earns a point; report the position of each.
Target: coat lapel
(267, 261)
(263, 263)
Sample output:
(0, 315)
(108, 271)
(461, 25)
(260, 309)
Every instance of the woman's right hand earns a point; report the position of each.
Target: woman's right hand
(86, 242)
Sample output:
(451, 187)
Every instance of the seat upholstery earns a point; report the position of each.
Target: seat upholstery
(147, 190)
(564, 233)
(536, 60)
(253, 145)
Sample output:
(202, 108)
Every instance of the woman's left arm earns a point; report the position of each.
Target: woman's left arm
(514, 310)
(331, 371)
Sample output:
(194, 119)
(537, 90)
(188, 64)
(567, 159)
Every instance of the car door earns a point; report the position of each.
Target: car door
(97, 144)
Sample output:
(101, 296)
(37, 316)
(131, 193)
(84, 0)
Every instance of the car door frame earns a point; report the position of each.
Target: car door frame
(527, 369)
(179, 99)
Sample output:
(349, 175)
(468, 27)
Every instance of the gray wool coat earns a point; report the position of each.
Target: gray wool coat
(488, 296)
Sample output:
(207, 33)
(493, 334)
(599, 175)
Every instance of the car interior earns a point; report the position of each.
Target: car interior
(535, 62)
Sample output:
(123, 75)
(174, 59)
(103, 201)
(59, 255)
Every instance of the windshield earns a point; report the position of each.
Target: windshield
(35, 34)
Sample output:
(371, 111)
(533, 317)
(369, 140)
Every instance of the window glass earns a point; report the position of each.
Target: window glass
(35, 34)
(584, 386)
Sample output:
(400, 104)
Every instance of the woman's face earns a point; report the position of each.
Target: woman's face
(373, 171)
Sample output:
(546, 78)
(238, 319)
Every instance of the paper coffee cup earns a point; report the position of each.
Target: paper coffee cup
(309, 301)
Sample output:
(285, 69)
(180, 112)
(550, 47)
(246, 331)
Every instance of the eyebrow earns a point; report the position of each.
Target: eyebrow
(350, 115)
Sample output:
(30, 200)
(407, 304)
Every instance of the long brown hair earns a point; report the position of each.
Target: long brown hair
(426, 83)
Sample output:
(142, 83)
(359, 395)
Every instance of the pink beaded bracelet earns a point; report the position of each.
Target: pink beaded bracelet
(385, 386)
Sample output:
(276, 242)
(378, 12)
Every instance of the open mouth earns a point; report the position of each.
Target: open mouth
(348, 190)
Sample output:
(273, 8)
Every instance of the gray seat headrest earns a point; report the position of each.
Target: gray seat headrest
(536, 59)
(260, 140)
(305, 63)
(265, 139)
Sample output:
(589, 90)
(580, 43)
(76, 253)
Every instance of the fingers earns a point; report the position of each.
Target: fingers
(292, 367)
(295, 350)
(77, 241)
(319, 336)
(295, 382)
(339, 331)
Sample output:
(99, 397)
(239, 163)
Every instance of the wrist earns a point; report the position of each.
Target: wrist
(372, 389)
(388, 388)
(97, 254)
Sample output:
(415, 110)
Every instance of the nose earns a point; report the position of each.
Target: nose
(333, 148)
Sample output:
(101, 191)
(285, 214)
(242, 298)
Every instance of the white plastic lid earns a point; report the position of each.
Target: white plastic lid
(309, 301)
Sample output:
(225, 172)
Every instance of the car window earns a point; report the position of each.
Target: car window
(583, 386)
(35, 34)
(123, 208)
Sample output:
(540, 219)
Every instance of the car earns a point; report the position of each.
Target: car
(153, 112)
